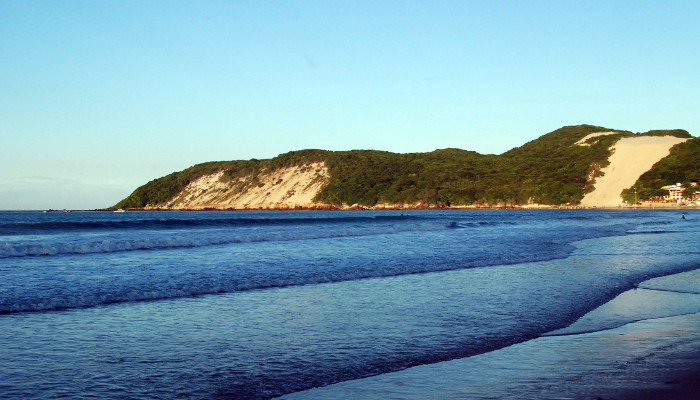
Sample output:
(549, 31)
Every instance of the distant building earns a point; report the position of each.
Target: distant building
(675, 192)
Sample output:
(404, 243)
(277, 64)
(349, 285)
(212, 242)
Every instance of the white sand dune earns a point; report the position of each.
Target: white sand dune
(582, 142)
(632, 157)
(281, 188)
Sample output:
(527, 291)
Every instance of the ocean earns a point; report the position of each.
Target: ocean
(260, 304)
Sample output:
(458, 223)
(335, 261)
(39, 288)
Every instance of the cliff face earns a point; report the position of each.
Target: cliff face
(281, 188)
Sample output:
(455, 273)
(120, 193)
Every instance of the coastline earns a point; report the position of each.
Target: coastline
(299, 187)
(653, 358)
(433, 303)
(399, 207)
(389, 207)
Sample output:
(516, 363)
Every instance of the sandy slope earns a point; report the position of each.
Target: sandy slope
(632, 157)
(282, 188)
(582, 142)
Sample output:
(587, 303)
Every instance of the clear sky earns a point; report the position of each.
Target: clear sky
(99, 97)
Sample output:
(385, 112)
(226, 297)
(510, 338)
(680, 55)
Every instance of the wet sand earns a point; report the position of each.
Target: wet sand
(656, 357)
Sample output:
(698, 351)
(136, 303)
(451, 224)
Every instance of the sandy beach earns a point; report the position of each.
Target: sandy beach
(652, 359)
(644, 344)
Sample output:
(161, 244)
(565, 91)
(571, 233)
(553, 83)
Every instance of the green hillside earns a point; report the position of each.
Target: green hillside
(548, 170)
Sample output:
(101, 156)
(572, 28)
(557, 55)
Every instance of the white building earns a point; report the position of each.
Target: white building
(675, 192)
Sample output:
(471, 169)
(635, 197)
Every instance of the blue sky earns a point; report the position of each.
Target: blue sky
(99, 97)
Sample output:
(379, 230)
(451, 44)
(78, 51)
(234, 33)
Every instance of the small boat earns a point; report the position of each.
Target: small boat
(120, 210)
(66, 211)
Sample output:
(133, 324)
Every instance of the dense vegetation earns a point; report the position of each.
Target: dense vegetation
(682, 165)
(548, 170)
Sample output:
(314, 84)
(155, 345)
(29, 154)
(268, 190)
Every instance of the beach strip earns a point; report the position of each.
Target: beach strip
(652, 358)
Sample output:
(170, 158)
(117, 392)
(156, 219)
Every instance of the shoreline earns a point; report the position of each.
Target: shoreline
(650, 358)
(645, 360)
(660, 206)
(381, 208)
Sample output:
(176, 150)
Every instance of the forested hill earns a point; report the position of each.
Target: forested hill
(553, 169)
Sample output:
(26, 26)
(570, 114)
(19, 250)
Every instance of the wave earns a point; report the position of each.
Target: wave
(165, 223)
(112, 245)
(653, 232)
(479, 224)
(188, 285)
(509, 247)
(185, 283)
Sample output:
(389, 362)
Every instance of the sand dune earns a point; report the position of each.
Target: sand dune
(632, 157)
(582, 142)
(281, 188)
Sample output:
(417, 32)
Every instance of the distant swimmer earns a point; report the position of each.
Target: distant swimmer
(683, 216)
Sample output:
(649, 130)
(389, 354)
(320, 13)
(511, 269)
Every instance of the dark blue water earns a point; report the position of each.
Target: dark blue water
(259, 304)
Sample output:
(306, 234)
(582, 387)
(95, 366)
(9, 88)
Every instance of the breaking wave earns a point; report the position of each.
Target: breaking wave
(170, 223)
(202, 238)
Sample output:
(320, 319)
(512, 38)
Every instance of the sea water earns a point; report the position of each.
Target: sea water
(261, 304)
